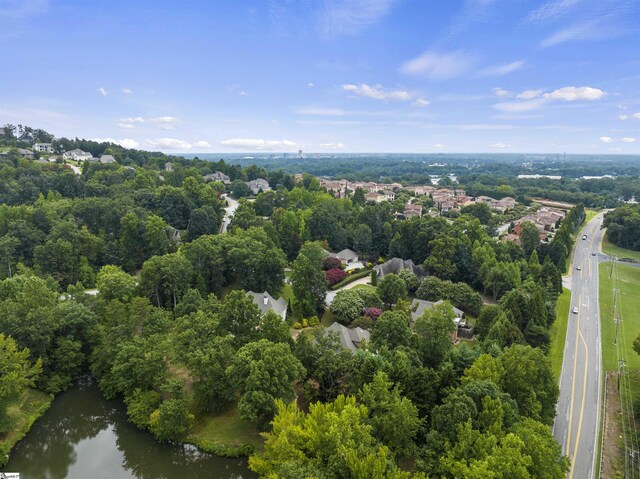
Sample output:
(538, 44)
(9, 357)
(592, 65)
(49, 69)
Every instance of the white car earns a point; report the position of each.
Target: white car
(575, 310)
(579, 268)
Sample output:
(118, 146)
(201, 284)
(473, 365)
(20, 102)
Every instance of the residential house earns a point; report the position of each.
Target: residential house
(168, 166)
(266, 303)
(24, 153)
(421, 190)
(258, 184)
(350, 339)
(419, 306)
(395, 265)
(412, 211)
(447, 205)
(218, 176)
(43, 147)
(107, 159)
(374, 197)
(346, 256)
(76, 155)
(389, 195)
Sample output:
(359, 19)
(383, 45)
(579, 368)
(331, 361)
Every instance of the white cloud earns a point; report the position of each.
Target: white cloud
(438, 66)
(257, 144)
(102, 91)
(202, 144)
(582, 31)
(551, 10)
(529, 94)
(421, 102)
(501, 92)
(311, 85)
(533, 99)
(606, 139)
(500, 145)
(572, 93)
(350, 17)
(124, 142)
(377, 92)
(519, 106)
(164, 122)
(332, 146)
(168, 144)
(322, 111)
(500, 70)
(128, 123)
(627, 139)
(439, 145)
(127, 91)
(237, 89)
(633, 116)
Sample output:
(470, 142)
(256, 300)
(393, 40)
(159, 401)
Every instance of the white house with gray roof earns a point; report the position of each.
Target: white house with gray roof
(266, 303)
(106, 159)
(346, 256)
(76, 155)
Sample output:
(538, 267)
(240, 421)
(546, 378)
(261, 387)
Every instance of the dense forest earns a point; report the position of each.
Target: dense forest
(169, 328)
(623, 226)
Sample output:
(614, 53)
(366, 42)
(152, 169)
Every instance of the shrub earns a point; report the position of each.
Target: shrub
(331, 263)
(372, 312)
(314, 321)
(335, 275)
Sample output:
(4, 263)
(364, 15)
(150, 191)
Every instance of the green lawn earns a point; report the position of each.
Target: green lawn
(559, 332)
(590, 215)
(629, 300)
(364, 286)
(613, 250)
(22, 413)
(327, 318)
(226, 428)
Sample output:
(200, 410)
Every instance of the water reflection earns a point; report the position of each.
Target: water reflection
(86, 437)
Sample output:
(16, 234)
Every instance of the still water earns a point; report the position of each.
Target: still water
(84, 436)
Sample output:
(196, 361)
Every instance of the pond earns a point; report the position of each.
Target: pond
(84, 436)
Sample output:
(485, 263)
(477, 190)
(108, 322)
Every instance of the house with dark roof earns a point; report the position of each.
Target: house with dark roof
(395, 265)
(258, 184)
(266, 303)
(419, 306)
(106, 159)
(218, 176)
(350, 339)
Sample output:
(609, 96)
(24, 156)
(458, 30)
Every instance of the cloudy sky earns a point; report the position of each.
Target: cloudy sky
(327, 75)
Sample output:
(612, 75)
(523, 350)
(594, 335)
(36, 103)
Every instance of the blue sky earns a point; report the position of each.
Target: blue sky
(327, 75)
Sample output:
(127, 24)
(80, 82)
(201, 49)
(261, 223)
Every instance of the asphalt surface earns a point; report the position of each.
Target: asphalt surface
(578, 411)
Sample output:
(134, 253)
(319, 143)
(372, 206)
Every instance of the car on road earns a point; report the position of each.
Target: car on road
(579, 268)
(584, 237)
(593, 254)
(575, 310)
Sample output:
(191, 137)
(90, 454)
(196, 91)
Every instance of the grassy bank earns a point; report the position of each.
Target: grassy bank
(23, 412)
(226, 434)
(613, 250)
(559, 332)
(628, 279)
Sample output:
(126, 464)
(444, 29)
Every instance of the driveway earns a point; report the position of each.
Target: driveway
(331, 295)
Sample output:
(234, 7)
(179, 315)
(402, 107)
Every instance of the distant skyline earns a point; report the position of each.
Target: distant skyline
(414, 76)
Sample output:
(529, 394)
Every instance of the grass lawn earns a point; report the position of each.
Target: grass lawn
(364, 286)
(559, 332)
(228, 288)
(629, 300)
(590, 215)
(23, 412)
(287, 292)
(227, 428)
(613, 250)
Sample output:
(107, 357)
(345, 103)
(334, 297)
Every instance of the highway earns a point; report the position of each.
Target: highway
(578, 411)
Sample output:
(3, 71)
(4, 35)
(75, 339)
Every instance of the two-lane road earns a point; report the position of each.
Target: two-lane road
(578, 412)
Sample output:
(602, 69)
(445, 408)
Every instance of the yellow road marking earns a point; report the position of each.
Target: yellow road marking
(584, 393)
(573, 385)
